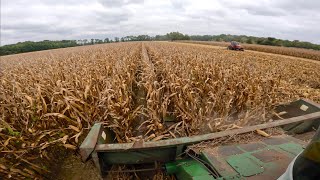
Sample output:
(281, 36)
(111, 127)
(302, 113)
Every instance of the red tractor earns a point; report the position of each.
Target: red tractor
(235, 46)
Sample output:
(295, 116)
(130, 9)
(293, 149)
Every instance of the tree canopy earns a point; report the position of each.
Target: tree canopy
(177, 36)
(256, 40)
(29, 46)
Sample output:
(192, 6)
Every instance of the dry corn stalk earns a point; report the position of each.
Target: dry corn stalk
(155, 91)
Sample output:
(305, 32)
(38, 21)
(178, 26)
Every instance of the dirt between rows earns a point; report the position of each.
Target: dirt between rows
(70, 167)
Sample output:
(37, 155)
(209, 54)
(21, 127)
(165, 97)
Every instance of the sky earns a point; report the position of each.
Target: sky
(37, 20)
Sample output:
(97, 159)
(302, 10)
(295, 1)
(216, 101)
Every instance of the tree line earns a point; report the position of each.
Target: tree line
(256, 40)
(172, 36)
(30, 46)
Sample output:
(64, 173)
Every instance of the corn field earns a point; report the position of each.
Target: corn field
(150, 91)
(288, 51)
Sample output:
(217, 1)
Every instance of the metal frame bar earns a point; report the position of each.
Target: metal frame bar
(90, 142)
(205, 137)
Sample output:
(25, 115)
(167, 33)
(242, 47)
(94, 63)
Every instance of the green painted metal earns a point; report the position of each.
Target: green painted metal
(298, 108)
(191, 169)
(140, 156)
(266, 159)
(293, 108)
(220, 165)
(188, 169)
(89, 144)
(292, 148)
(244, 165)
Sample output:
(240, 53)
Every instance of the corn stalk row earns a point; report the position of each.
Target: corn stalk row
(148, 91)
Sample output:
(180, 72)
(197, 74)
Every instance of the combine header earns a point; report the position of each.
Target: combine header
(268, 158)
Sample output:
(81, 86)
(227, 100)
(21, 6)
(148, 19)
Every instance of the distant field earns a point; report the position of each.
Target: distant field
(141, 90)
(296, 52)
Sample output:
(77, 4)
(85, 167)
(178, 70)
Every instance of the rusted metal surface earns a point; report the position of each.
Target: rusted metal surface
(275, 141)
(296, 140)
(269, 155)
(212, 157)
(274, 165)
(229, 150)
(252, 146)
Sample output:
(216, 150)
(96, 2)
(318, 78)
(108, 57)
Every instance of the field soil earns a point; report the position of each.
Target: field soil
(72, 168)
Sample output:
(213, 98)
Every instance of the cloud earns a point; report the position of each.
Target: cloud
(35, 20)
(298, 5)
(119, 3)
